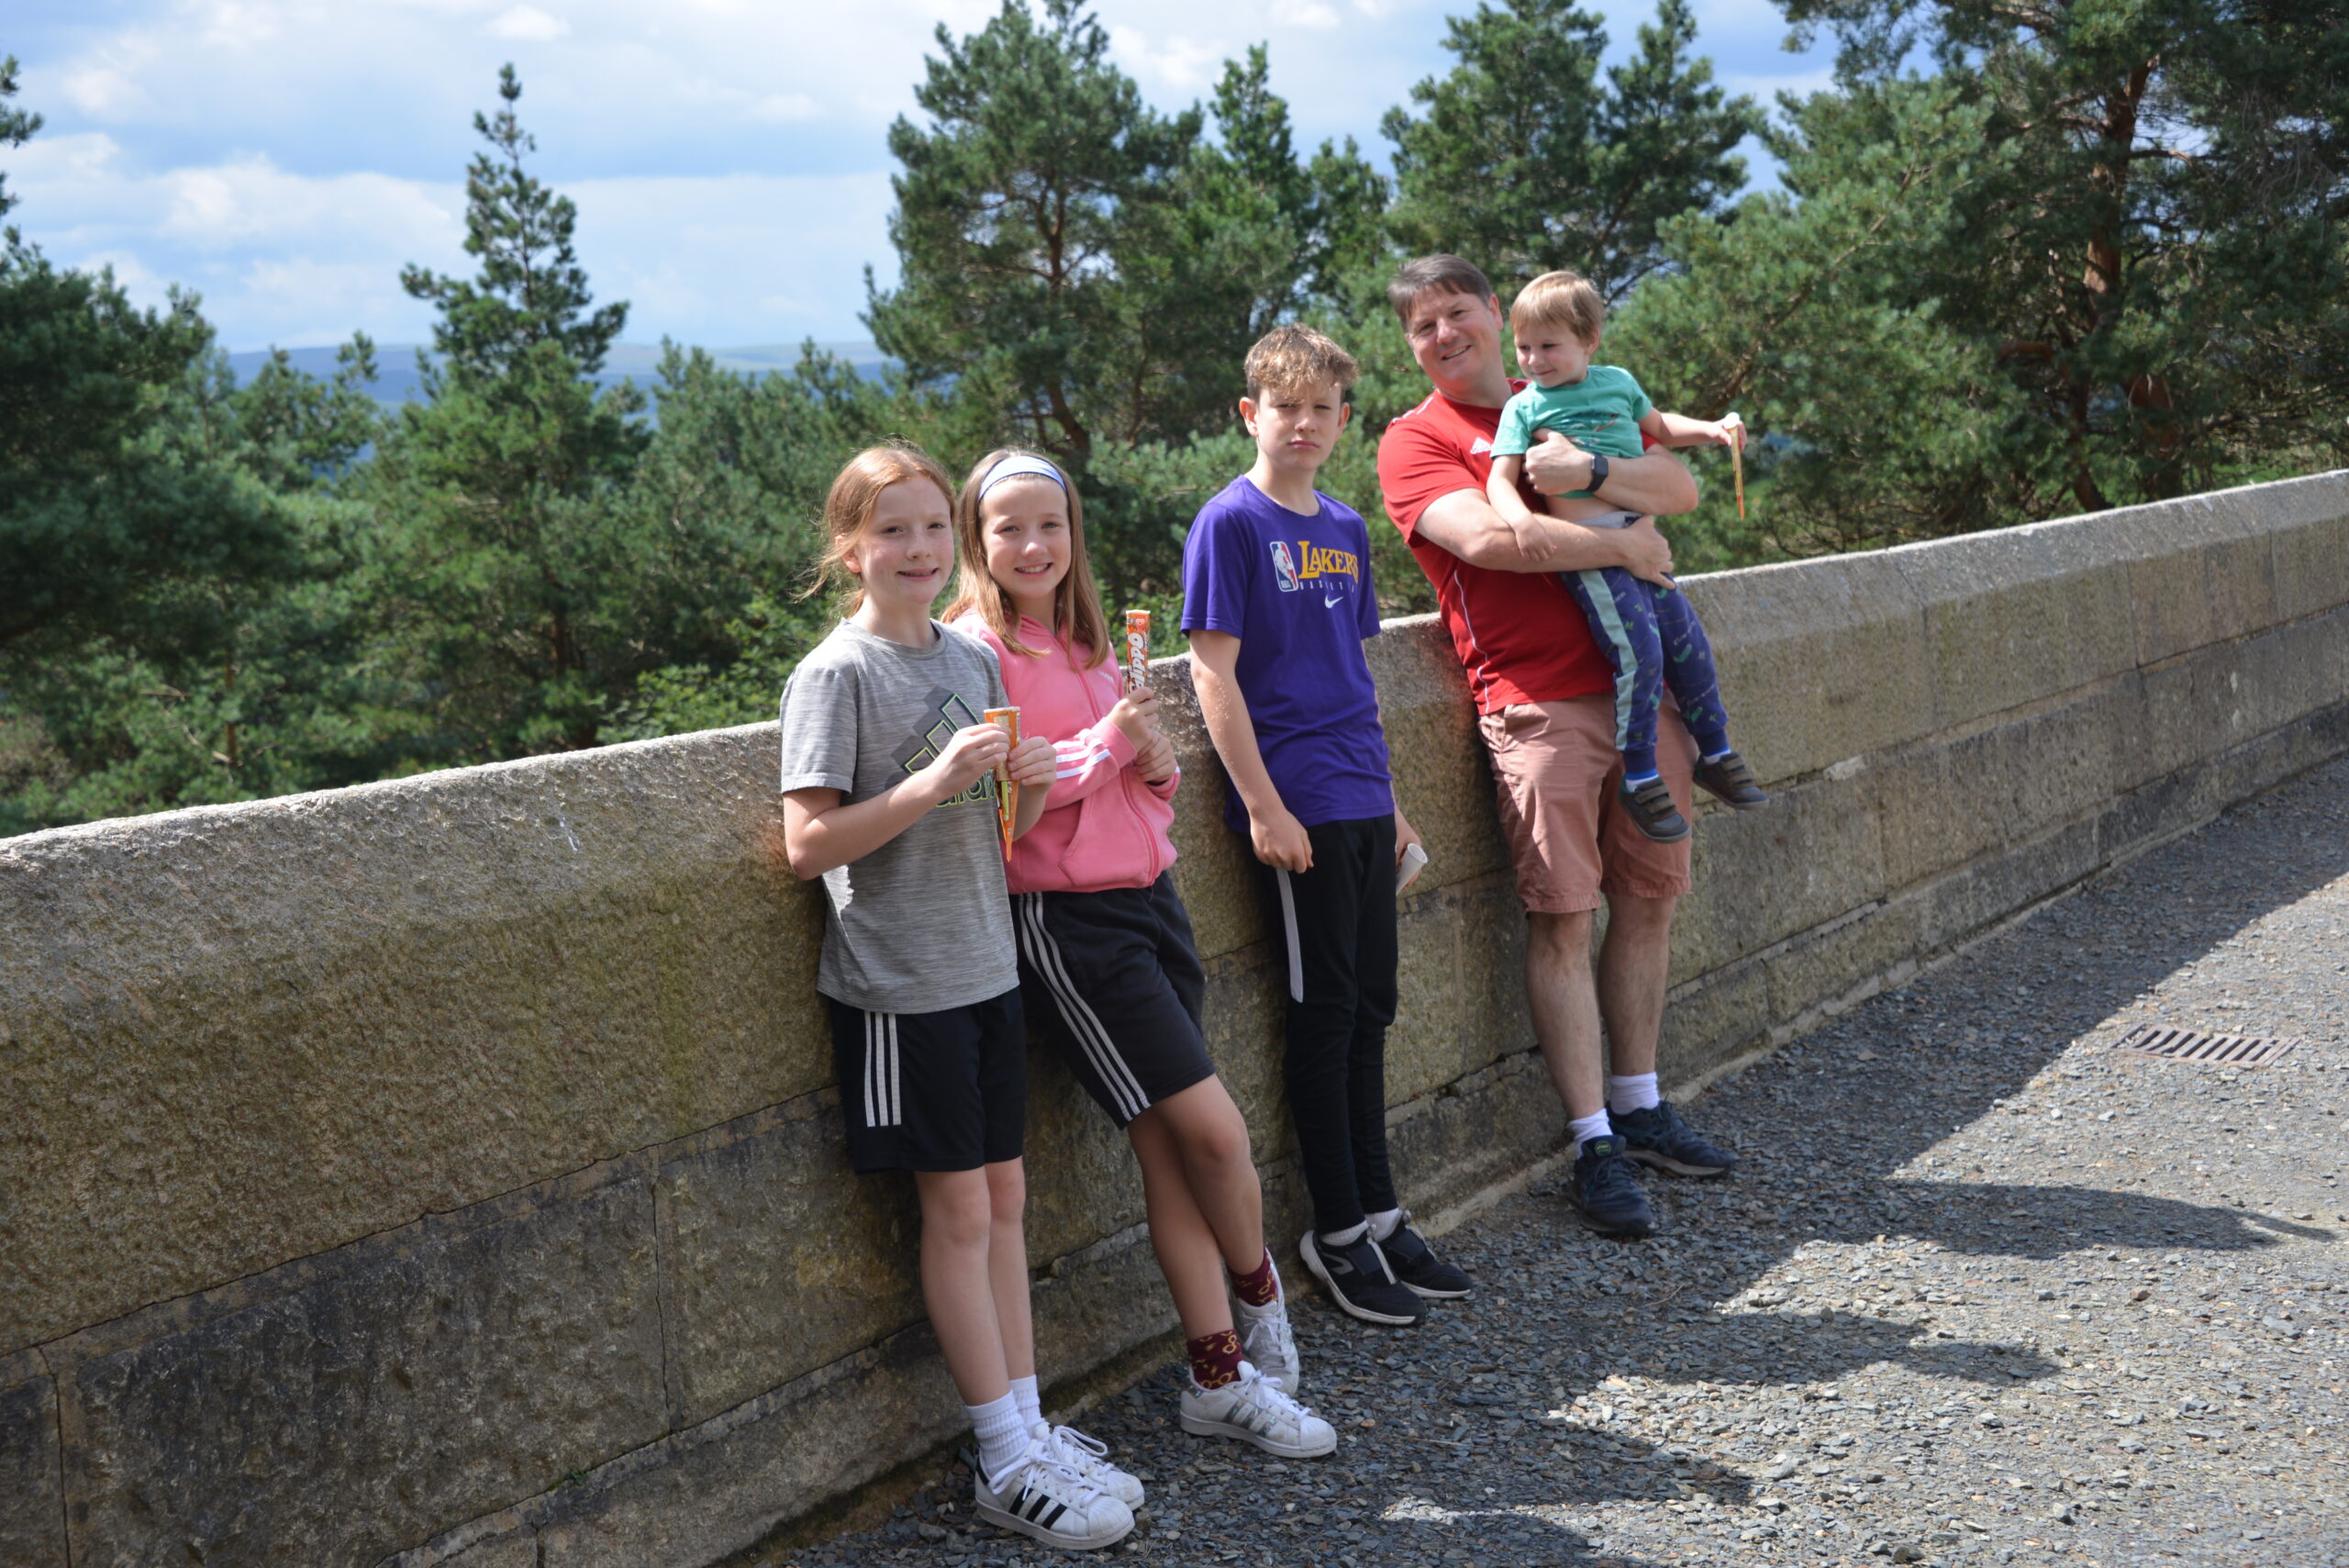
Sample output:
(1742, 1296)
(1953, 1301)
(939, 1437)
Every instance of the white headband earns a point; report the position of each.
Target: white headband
(1014, 466)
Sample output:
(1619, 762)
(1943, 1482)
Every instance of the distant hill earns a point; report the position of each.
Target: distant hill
(396, 381)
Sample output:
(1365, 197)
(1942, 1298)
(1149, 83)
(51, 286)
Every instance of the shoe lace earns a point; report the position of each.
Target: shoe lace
(1076, 1450)
(1270, 1334)
(1610, 1176)
(1044, 1468)
(1262, 1391)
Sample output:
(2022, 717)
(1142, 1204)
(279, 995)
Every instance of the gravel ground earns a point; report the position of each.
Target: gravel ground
(1986, 1291)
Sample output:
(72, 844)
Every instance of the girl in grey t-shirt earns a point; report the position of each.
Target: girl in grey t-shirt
(889, 795)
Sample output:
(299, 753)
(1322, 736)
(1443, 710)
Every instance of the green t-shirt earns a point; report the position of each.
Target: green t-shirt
(1600, 414)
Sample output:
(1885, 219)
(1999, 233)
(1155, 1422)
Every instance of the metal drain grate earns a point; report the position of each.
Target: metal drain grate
(2185, 1045)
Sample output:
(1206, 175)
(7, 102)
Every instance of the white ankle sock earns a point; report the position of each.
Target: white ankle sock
(1347, 1236)
(1031, 1407)
(1586, 1127)
(1716, 756)
(1641, 778)
(1631, 1092)
(1382, 1224)
(1003, 1436)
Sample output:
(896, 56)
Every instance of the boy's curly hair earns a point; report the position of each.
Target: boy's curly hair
(1294, 360)
(1562, 301)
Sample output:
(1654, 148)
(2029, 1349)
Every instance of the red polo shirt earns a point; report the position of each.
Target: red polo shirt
(1519, 634)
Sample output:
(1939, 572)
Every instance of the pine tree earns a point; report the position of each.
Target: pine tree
(1521, 162)
(506, 591)
(2161, 264)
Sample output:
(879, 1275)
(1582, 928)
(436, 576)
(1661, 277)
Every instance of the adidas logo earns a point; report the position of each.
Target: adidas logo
(1479, 447)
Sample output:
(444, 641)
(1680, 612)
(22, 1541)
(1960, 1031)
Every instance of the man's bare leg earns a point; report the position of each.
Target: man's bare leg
(1634, 969)
(1561, 991)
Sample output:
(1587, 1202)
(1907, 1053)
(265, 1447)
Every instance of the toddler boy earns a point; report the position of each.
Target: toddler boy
(1648, 632)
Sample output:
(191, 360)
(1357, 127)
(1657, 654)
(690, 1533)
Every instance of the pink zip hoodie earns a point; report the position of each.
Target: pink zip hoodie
(1105, 826)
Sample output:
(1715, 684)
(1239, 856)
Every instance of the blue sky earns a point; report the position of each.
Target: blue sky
(285, 157)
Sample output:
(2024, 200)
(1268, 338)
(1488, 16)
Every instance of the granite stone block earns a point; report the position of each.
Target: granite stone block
(777, 1258)
(32, 1488)
(436, 1376)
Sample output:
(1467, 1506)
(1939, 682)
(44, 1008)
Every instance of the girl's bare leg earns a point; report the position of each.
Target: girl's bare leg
(1206, 1203)
(1007, 1184)
(1187, 1253)
(957, 1281)
(1213, 1137)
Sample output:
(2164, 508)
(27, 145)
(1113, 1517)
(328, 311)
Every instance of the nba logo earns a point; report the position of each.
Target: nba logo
(1284, 568)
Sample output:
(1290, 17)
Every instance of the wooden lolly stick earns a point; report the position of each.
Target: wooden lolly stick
(1006, 794)
(1737, 456)
(1137, 649)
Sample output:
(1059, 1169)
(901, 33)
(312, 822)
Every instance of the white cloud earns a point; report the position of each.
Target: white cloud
(782, 108)
(1310, 13)
(531, 25)
(1180, 66)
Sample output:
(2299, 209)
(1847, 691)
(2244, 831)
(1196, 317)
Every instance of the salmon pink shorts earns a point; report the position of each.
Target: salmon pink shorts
(1557, 770)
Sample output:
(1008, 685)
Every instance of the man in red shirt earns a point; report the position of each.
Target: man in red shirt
(1545, 706)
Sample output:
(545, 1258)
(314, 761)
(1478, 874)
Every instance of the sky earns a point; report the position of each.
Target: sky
(285, 158)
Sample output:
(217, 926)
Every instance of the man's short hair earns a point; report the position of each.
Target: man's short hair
(1452, 274)
(1562, 301)
(1297, 360)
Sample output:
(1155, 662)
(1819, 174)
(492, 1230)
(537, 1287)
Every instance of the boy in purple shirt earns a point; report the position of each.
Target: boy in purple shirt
(1277, 599)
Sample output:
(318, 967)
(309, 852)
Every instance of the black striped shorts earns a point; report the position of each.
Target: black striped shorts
(1114, 979)
(944, 1091)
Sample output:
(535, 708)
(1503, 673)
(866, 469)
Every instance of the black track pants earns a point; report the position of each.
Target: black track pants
(1337, 924)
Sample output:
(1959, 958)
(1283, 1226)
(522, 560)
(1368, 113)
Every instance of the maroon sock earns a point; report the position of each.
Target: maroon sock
(1259, 1289)
(1215, 1359)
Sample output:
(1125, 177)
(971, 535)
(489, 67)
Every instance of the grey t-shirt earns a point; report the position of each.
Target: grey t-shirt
(923, 923)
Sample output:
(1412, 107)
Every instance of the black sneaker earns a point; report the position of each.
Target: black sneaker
(1359, 1281)
(1606, 1193)
(1649, 805)
(1658, 1137)
(1417, 1267)
(1729, 781)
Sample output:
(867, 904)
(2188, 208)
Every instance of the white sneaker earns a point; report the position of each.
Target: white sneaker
(1044, 1499)
(1265, 1340)
(1089, 1457)
(1255, 1410)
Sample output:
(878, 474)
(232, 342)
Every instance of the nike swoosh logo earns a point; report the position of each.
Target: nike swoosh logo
(1332, 604)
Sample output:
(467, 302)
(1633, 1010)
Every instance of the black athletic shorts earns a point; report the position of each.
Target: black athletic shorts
(943, 1091)
(1115, 978)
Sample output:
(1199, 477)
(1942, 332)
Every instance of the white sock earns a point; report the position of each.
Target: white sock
(1382, 1224)
(1347, 1236)
(1631, 1092)
(1003, 1436)
(1031, 1406)
(1716, 756)
(1586, 1127)
(1641, 778)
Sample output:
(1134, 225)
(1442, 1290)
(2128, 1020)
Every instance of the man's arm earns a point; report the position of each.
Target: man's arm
(1278, 836)
(1465, 524)
(1655, 485)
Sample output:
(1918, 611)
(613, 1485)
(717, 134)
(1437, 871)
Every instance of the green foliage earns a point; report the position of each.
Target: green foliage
(508, 590)
(1881, 419)
(2098, 252)
(2141, 286)
(1524, 164)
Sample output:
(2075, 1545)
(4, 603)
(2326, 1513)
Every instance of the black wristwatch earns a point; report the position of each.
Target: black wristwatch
(1597, 473)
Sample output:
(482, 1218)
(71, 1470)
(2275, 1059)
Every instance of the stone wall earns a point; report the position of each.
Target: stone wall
(448, 1171)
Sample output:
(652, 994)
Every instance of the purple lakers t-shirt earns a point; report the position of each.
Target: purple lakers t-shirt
(1296, 592)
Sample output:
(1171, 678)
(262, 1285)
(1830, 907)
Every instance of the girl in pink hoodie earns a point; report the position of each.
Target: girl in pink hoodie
(1106, 960)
